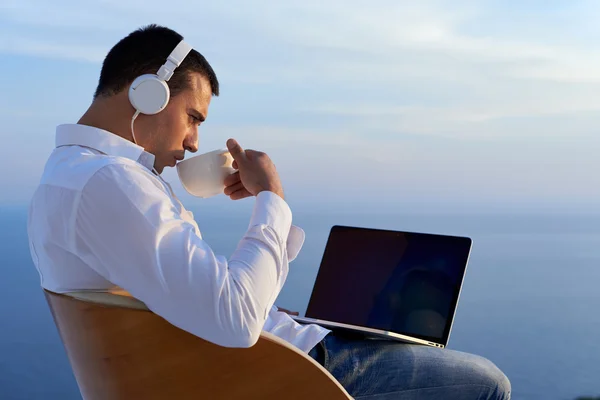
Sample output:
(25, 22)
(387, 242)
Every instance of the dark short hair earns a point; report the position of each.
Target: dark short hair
(143, 51)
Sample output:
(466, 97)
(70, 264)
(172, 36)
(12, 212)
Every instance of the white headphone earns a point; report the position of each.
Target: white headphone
(149, 93)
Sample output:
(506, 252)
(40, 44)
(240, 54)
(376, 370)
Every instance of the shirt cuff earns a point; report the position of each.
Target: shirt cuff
(271, 210)
(294, 242)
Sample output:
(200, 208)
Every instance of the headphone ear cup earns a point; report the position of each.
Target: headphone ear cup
(148, 94)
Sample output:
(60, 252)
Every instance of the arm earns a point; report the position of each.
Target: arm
(134, 237)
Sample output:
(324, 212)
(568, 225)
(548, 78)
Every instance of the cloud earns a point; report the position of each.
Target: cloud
(415, 94)
(420, 67)
(342, 166)
(42, 48)
(377, 29)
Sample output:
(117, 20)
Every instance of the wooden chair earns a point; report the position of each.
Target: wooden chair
(118, 349)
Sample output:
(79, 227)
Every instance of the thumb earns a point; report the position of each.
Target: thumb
(236, 151)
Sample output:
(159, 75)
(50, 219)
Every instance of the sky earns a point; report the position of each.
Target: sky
(428, 106)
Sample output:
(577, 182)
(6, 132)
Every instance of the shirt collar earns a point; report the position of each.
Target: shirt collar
(103, 141)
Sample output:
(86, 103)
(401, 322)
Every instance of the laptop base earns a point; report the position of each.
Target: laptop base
(367, 332)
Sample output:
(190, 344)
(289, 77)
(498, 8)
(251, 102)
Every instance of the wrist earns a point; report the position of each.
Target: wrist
(270, 209)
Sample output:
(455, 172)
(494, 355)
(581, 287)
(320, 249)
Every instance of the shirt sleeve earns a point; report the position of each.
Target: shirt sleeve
(295, 242)
(130, 232)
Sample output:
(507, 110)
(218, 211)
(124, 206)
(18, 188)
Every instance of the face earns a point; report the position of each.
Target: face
(174, 130)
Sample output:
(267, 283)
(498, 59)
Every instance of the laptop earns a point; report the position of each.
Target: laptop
(396, 285)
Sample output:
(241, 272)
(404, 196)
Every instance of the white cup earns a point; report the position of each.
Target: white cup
(204, 175)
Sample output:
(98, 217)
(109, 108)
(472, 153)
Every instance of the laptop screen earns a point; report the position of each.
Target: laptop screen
(402, 282)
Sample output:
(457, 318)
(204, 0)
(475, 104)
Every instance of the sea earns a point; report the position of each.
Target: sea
(530, 301)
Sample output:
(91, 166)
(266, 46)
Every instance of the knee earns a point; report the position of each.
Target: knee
(494, 379)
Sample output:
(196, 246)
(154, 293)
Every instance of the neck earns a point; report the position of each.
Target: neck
(110, 114)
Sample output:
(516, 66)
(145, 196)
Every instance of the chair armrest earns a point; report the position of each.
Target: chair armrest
(115, 298)
(181, 351)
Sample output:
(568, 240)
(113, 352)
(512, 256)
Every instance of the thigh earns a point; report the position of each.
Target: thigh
(382, 369)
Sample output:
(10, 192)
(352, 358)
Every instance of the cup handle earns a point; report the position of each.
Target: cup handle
(226, 159)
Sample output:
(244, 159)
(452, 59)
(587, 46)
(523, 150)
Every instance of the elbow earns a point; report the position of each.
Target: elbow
(238, 340)
(241, 336)
(246, 337)
(247, 341)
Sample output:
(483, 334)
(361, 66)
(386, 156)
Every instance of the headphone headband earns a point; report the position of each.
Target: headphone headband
(165, 72)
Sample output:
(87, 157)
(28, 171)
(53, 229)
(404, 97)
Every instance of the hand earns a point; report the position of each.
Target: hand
(256, 173)
(234, 188)
(288, 311)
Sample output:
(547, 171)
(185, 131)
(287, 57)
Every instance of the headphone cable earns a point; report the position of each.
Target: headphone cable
(132, 121)
(133, 136)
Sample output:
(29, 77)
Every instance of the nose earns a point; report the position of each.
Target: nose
(191, 142)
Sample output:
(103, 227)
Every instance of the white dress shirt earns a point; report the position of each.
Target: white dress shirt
(102, 220)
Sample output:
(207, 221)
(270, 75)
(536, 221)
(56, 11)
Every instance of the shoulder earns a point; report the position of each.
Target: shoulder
(75, 167)
(124, 193)
(125, 178)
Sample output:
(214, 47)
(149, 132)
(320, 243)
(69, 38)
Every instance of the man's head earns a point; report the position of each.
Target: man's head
(174, 130)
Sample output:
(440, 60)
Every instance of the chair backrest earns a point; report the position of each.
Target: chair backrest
(121, 350)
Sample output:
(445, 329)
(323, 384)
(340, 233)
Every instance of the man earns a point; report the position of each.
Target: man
(103, 218)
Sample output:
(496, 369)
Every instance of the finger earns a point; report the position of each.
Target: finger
(240, 194)
(236, 151)
(234, 188)
(285, 310)
(232, 179)
(234, 164)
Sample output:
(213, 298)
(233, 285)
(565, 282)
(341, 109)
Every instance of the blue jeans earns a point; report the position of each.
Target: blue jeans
(373, 369)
